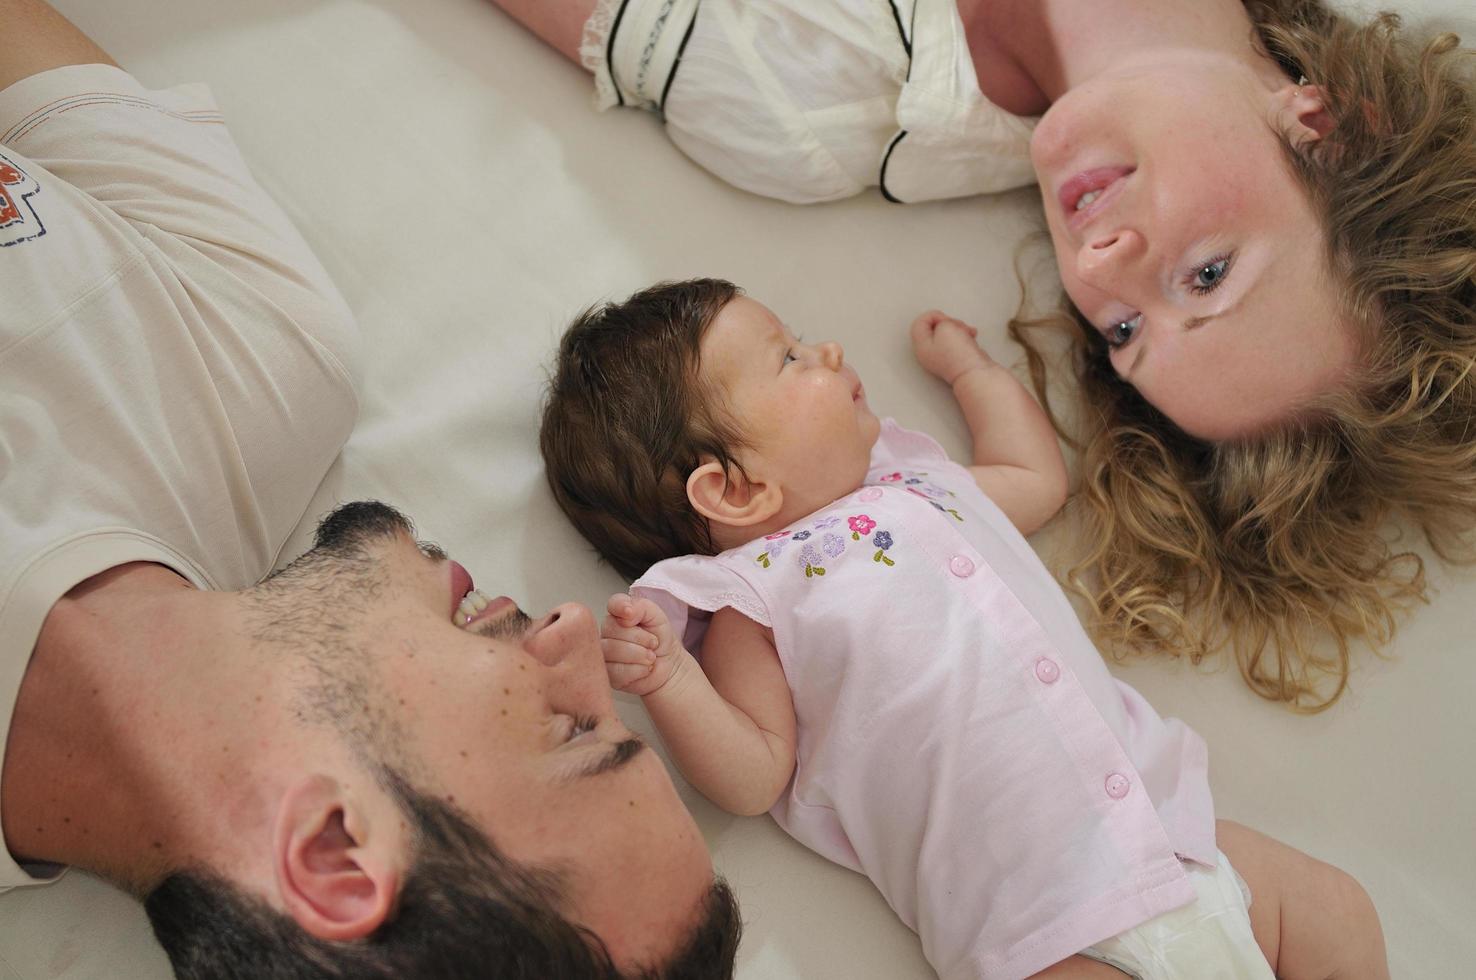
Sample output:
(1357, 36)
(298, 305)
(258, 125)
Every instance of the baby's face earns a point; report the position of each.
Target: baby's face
(800, 406)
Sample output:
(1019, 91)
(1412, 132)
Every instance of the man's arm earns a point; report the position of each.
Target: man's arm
(41, 39)
(1017, 460)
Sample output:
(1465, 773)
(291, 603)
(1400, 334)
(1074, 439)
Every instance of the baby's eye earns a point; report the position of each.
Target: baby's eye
(1120, 333)
(788, 356)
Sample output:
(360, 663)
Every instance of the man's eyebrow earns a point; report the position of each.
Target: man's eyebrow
(620, 753)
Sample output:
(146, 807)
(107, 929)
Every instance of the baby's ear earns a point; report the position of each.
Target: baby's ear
(732, 499)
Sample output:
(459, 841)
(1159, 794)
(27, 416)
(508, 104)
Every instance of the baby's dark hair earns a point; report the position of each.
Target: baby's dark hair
(627, 419)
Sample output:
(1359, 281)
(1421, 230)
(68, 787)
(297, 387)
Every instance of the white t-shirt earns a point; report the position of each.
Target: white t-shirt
(176, 370)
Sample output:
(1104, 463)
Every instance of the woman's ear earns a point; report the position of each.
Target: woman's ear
(1304, 114)
(337, 874)
(732, 499)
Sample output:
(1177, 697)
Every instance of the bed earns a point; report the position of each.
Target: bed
(454, 179)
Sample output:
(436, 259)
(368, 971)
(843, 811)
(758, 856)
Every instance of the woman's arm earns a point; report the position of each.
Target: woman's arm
(729, 723)
(560, 23)
(1017, 460)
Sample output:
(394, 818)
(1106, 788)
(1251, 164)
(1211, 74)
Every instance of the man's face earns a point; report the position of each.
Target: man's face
(511, 720)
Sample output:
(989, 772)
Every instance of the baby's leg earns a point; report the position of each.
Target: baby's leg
(558, 22)
(1313, 921)
(1080, 968)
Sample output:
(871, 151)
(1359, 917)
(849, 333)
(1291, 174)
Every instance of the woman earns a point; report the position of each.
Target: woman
(1264, 218)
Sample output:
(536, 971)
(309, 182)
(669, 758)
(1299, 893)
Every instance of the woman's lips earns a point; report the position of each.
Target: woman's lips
(1107, 181)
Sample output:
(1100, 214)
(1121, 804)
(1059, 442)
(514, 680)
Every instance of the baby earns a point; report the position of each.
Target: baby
(837, 624)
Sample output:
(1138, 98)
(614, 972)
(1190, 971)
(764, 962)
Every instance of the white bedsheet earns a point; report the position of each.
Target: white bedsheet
(454, 180)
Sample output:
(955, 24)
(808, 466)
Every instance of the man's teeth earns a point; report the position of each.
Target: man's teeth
(1087, 198)
(471, 604)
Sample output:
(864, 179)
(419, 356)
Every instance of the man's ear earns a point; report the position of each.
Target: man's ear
(731, 499)
(338, 871)
(1304, 114)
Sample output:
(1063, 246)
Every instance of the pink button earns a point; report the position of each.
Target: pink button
(1047, 670)
(1117, 785)
(961, 566)
(868, 495)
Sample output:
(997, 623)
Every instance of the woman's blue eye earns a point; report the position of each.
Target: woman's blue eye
(1208, 277)
(1120, 333)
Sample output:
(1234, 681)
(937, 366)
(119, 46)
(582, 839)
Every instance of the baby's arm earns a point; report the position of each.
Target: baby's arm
(729, 723)
(1017, 460)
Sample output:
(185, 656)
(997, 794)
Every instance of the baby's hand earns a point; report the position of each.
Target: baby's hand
(946, 347)
(641, 651)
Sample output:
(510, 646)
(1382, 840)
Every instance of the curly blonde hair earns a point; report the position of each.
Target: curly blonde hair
(1273, 544)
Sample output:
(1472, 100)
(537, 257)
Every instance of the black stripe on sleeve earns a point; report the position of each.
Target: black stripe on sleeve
(882, 179)
(897, 16)
(661, 107)
(610, 51)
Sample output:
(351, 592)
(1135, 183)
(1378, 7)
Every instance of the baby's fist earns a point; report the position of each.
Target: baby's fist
(946, 347)
(639, 645)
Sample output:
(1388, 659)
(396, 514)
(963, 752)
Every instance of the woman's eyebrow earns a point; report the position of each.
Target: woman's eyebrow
(1192, 323)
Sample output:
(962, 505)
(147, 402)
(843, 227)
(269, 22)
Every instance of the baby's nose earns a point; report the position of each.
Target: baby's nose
(832, 355)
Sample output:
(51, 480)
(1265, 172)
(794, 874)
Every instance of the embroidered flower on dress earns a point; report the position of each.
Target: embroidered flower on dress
(815, 553)
(810, 558)
(891, 478)
(773, 550)
(929, 492)
(882, 541)
(776, 535)
(912, 479)
(947, 510)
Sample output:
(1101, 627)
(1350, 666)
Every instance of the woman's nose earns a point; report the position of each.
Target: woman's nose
(1103, 261)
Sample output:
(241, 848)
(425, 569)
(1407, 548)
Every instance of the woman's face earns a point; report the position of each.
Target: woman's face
(1183, 237)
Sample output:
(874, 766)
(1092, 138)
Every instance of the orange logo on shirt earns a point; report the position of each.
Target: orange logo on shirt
(18, 219)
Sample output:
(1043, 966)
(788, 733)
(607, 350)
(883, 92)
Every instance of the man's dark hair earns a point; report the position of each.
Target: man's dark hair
(465, 911)
(627, 419)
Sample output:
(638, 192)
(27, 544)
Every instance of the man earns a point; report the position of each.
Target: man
(332, 773)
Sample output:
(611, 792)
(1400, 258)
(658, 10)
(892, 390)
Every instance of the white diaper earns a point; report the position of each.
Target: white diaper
(1209, 939)
(812, 100)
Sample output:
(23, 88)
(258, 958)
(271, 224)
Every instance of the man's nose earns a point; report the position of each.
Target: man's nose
(832, 355)
(1105, 260)
(566, 635)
